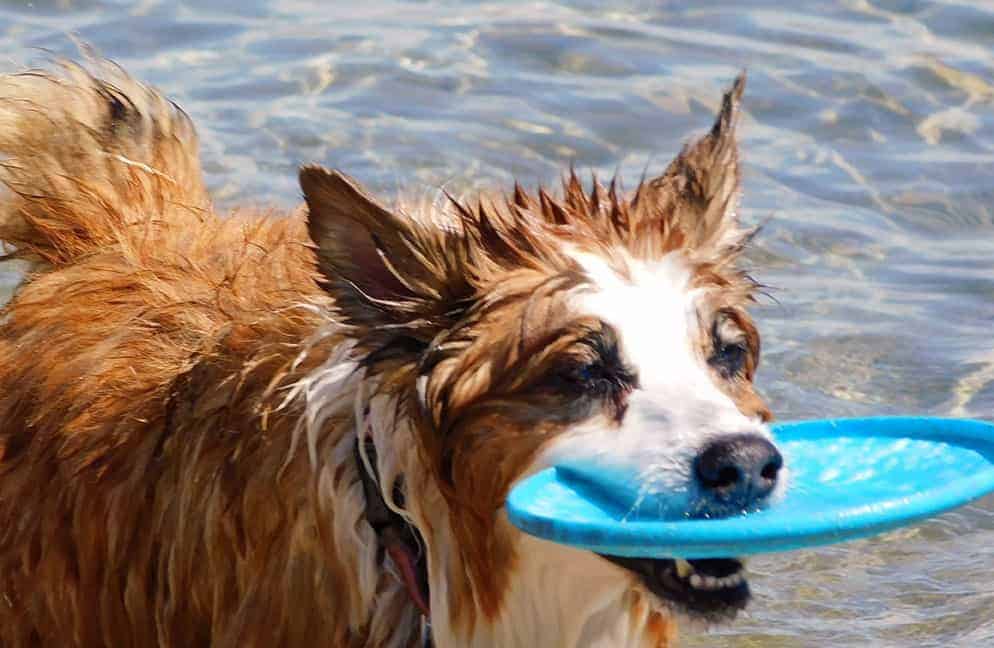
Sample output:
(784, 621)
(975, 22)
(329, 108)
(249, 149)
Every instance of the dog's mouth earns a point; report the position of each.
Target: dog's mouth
(712, 589)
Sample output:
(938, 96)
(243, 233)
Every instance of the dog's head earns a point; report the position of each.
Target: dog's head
(597, 330)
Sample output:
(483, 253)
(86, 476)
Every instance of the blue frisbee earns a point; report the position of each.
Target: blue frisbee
(847, 479)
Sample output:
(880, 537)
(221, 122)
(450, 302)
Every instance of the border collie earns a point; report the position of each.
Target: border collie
(256, 429)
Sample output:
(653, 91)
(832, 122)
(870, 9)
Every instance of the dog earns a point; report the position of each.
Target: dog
(288, 429)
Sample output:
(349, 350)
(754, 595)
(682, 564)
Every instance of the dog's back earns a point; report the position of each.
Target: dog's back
(143, 364)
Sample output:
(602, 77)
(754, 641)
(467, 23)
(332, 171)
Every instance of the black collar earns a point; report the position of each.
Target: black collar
(396, 536)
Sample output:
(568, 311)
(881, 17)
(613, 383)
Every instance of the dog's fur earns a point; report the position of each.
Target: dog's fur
(181, 392)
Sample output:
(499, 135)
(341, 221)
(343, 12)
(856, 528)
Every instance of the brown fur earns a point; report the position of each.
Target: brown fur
(145, 499)
(152, 491)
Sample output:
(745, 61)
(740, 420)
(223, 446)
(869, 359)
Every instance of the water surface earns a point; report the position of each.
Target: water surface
(869, 155)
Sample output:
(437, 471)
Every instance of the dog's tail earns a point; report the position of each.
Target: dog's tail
(87, 158)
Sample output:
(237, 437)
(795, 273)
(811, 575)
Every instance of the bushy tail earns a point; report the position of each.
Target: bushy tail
(86, 157)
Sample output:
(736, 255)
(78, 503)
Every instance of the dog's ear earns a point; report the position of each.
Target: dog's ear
(700, 187)
(372, 260)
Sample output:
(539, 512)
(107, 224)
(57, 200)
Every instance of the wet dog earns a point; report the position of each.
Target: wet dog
(264, 429)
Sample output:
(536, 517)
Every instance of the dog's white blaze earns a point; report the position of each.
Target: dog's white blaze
(677, 408)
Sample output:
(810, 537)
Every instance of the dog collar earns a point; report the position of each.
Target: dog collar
(396, 537)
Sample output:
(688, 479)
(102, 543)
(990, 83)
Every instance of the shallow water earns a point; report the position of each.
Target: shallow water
(869, 147)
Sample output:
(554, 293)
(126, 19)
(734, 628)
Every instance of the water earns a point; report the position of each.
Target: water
(869, 148)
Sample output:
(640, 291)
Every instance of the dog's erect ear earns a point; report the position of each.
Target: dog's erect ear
(371, 259)
(701, 185)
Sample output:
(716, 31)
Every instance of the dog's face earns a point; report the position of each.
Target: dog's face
(603, 333)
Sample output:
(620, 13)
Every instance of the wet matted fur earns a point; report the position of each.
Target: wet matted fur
(181, 391)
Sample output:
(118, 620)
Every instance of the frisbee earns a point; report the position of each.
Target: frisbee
(846, 479)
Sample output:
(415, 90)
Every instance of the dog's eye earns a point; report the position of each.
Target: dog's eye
(582, 374)
(729, 359)
(586, 378)
(594, 378)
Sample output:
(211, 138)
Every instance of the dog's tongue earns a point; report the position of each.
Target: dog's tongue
(410, 573)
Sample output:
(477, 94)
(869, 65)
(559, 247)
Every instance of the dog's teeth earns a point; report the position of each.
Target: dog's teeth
(709, 583)
(705, 582)
(684, 568)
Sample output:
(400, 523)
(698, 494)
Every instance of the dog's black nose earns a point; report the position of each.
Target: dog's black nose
(739, 470)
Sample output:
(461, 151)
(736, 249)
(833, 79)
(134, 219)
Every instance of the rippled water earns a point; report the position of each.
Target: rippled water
(869, 146)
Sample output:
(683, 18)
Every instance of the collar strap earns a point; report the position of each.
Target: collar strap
(396, 536)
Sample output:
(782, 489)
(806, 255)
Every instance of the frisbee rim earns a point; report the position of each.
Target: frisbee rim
(742, 536)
